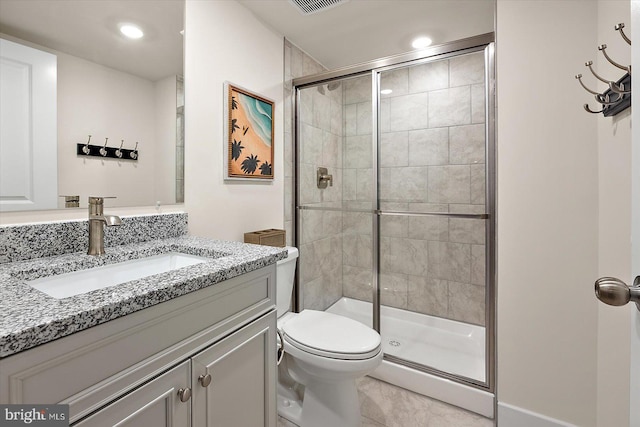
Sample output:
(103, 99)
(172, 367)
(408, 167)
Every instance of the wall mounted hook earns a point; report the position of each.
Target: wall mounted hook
(589, 65)
(619, 28)
(618, 88)
(134, 153)
(119, 150)
(593, 92)
(605, 100)
(86, 150)
(589, 110)
(617, 97)
(103, 150)
(603, 48)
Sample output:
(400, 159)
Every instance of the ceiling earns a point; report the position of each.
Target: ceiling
(352, 32)
(362, 30)
(90, 29)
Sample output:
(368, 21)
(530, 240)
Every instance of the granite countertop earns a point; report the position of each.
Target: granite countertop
(30, 317)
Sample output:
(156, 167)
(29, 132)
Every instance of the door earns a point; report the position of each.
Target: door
(28, 128)
(635, 229)
(613, 290)
(234, 380)
(161, 402)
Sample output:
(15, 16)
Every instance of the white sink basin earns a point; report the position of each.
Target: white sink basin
(80, 282)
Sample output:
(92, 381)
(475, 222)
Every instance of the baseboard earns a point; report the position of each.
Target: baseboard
(512, 416)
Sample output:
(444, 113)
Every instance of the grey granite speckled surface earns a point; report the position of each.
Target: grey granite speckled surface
(29, 241)
(30, 317)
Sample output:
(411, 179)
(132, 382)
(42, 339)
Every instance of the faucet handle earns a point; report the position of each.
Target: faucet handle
(96, 203)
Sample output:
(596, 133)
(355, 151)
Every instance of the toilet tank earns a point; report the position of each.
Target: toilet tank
(285, 271)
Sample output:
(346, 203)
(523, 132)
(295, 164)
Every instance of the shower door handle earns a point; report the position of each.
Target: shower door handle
(613, 291)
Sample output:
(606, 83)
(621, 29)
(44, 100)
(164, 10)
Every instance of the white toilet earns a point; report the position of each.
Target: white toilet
(324, 354)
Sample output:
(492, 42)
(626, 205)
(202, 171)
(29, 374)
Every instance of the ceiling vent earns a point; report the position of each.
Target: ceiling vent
(307, 7)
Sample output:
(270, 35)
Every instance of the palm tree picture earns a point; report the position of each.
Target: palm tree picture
(236, 149)
(249, 134)
(250, 164)
(265, 169)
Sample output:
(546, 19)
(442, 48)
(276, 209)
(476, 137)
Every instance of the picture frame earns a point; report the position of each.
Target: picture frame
(248, 134)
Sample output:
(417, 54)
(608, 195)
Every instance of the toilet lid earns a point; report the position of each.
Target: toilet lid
(330, 335)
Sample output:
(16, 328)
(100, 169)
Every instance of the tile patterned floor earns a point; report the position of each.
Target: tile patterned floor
(385, 405)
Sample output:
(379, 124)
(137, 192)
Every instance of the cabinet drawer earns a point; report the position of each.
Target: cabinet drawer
(91, 368)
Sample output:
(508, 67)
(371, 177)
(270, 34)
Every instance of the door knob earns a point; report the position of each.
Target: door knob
(614, 291)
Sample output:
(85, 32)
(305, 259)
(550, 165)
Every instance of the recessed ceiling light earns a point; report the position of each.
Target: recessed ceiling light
(385, 91)
(131, 31)
(420, 42)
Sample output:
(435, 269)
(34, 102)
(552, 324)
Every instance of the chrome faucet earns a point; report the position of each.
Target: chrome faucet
(97, 222)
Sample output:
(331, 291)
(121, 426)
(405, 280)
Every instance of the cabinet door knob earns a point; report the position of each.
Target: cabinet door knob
(205, 380)
(184, 394)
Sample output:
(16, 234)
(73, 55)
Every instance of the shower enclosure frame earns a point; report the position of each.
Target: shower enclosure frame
(486, 43)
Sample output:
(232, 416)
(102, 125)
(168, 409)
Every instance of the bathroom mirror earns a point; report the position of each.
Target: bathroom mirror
(123, 92)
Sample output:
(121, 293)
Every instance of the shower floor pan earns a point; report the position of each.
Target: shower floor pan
(447, 345)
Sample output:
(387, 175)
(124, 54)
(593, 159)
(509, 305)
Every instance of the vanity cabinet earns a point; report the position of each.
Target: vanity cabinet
(206, 358)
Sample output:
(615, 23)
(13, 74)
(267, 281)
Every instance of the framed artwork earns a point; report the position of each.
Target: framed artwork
(248, 134)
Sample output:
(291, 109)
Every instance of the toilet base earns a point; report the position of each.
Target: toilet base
(289, 404)
(290, 410)
(324, 404)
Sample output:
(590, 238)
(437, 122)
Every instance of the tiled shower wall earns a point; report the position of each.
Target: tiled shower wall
(432, 159)
(321, 133)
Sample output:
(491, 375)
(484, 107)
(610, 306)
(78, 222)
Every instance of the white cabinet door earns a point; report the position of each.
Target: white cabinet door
(241, 389)
(28, 128)
(156, 404)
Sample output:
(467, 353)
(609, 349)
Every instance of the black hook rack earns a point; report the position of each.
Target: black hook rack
(88, 150)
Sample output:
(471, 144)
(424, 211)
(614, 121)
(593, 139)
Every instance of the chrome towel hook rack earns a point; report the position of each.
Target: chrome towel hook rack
(617, 97)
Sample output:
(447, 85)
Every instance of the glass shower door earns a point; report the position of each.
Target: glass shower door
(393, 217)
(433, 226)
(336, 193)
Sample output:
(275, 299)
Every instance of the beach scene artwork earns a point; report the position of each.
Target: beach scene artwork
(250, 135)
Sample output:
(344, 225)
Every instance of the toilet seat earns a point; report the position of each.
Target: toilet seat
(329, 335)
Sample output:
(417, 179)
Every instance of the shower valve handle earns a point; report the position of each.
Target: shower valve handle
(324, 178)
(328, 178)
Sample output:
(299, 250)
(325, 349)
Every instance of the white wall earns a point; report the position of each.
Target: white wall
(224, 41)
(547, 210)
(105, 103)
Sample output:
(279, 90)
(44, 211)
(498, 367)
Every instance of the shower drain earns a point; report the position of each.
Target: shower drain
(394, 343)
